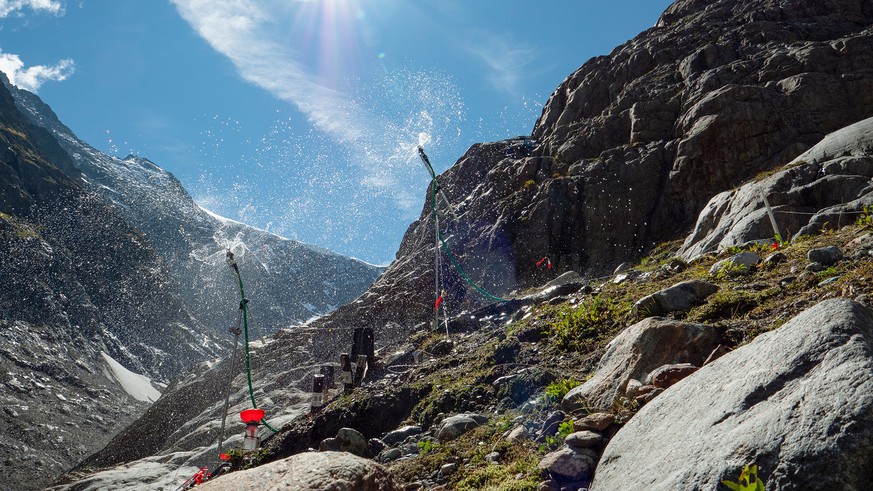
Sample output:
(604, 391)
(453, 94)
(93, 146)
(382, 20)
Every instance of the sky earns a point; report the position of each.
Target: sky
(302, 117)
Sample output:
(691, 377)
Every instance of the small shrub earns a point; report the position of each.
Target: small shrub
(564, 429)
(748, 480)
(556, 390)
(529, 184)
(866, 218)
(425, 447)
(592, 317)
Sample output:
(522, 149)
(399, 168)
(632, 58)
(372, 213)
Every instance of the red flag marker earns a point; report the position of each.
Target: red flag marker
(546, 260)
(438, 302)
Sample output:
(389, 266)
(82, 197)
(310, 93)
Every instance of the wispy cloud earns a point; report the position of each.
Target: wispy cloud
(8, 7)
(378, 123)
(237, 30)
(505, 60)
(32, 78)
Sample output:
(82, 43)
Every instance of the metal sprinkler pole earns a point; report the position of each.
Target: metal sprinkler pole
(772, 216)
(236, 331)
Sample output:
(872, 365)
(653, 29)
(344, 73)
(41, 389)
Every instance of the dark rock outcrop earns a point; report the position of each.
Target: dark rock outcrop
(798, 402)
(679, 297)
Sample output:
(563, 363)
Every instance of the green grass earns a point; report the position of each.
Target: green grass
(592, 318)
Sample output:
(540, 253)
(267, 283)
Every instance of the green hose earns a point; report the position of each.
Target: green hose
(243, 304)
(433, 206)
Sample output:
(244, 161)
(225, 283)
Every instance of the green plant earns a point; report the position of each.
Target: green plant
(425, 447)
(730, 270)
(748, 480)
(592, 317)
(529, 184)
(866, 218)
(829, 272)
(550, 444)
(556, 390)
(564, 429)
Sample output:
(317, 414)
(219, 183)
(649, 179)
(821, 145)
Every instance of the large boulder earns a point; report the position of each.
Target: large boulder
(310, 471)
(633, 354)
(828, 184)
(798, 402)
(455, 426)
(679, 297)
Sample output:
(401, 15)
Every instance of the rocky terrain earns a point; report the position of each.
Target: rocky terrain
(654, 159)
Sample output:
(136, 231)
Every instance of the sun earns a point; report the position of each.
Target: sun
(331, 36)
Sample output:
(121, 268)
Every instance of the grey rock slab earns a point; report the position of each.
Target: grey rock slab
(455, 426)
(826, 256)
(667, 375)
(551, 423)
(594, 422)
(570, 464)
(518, 434)
(352, 441)
(828, 180)
(637, 351)
(329, 445)
(310, 471)
(679, 297)
(736, 265)
(583, 439)
(632, 388)
(797, 401)
(390, 454)
(400, 434)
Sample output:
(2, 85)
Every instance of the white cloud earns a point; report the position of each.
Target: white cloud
(9, 6)
(32, 78)
(506, 61)
(239, 30)
(378, 123)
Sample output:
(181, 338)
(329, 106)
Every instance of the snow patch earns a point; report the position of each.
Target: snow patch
(138, 386)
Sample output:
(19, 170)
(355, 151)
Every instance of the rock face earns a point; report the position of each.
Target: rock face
(636, 352)
(631, 147)
(798, 402)
(455, 426)
(715, 93)
(827, 184)
(310, 472)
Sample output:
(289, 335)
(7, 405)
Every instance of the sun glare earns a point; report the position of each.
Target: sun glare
(331, 36)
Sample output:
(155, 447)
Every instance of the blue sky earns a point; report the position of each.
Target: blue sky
(301, 116)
